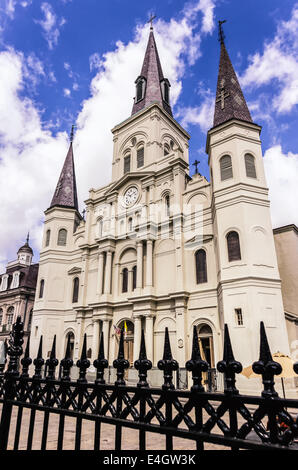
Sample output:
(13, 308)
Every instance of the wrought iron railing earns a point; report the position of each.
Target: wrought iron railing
(223, 419)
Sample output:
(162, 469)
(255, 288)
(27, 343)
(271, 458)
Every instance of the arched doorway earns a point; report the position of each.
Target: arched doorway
(128, 329)
(205, 337)
(70, 335)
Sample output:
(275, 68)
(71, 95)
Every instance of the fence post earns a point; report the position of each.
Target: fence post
(14, 351)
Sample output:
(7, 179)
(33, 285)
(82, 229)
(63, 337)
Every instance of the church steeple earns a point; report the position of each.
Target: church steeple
(65, 194)
(151, 86)
(230, 102)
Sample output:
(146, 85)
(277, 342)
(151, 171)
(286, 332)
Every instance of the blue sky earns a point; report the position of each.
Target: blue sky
(75, 61)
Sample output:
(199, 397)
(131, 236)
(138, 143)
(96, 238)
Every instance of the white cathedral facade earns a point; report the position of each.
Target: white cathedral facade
(162, 249)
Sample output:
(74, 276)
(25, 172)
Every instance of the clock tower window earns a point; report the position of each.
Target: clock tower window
(127, 164)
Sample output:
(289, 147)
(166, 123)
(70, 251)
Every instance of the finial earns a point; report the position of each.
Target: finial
(72, 133)
(152, 17)
(196, 364)
(229, 366)
(167, 364)
(265, 366)
(38, 361)
(26, 361)
(121, 363)
(221, 36)
(83, 363)
(100, 363)
(52, 362)
(67, 362)
(143, 364)
(27, 239)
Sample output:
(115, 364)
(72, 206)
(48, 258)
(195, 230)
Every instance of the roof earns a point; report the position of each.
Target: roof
(66, 190)
(152, 72)
(230, 102)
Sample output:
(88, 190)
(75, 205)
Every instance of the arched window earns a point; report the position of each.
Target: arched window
(201, 266)
(48, 235)
(75, 290)
(226, 170)
(125, 280)
(127, 164)
(165, 84)
(250, 166)
(128, 328)
(140, 157)
(205, 337)
(1, 316)
(130, 224)
(233, 246)
(134, 277)
(41, 288)
(89, 353)
(9, 315)
(62, 236)
(167, 205)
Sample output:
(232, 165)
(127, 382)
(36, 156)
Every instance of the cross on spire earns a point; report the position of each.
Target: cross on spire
(195, 163)
(221, 36)
(72, 133)
(152, 17)
(222, 96)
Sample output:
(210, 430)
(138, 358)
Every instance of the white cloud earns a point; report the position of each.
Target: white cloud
(31, 158)
(50, 25)
(277, 65)
(199, 115)
(67, 92)
(9, 6)
(281, 173)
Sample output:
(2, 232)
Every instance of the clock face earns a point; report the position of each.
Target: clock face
(130, 196)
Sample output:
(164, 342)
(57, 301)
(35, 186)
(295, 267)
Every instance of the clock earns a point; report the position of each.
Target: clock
(131, 196)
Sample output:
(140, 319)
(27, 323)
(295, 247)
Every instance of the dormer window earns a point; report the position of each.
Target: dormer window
(140, 88)
(165, 87)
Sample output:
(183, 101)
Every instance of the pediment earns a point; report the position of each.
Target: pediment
(198, 240)
(133, 176)
(74, 270)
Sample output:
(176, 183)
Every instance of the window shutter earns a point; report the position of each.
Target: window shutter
(250, 166)
(41, 288)
(233, 246)
(140, 157)
(201, 266)
(48, 234)
(226, 170)
(134, 277)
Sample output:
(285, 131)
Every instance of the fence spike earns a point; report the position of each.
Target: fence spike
(52, 362)
(121, 363)
(83, 363)
(38, 361)
(167, 363)
(15, 348)
(26, 361)
(265, 366)
(66, 362)
(100, 363)
(196, 364)
(228, 366)
(143, 364)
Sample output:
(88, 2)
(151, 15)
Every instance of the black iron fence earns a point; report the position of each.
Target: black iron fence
(225, 419)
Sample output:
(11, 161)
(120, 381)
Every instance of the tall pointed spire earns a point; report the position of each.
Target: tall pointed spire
(66, 190)
(151, 86)
(230, 102)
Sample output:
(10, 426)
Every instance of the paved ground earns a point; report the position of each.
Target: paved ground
(129, 436)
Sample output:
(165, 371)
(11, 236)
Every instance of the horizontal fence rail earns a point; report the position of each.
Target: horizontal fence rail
(227, 419)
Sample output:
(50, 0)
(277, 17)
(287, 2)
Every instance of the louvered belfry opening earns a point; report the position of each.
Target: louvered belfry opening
(233, 246)
(226, 169)
(250, 166)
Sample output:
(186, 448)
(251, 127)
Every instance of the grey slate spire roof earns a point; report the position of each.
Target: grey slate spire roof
(230, 102)
(66, 190)
(152, 72)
